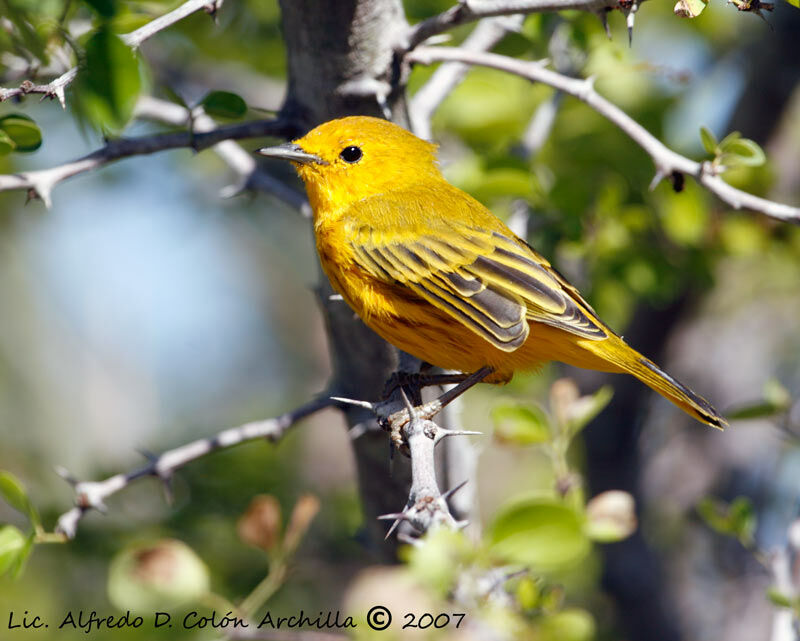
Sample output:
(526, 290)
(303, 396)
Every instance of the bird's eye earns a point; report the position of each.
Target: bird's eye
(351, 154)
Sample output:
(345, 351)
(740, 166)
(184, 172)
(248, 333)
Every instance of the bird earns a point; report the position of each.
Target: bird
(435, 273)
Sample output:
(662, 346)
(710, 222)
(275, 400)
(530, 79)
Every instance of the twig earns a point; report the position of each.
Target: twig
(92, 494)
(134, 39)
(242, 162)
(54, 89)
(668, 163)
(471, 10)
(40, 182)
(447, 77)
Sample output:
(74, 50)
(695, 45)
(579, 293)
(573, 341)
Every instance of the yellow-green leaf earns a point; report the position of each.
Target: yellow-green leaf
(6, 144)
(709, 140)
(520, 424)
(14, 493)
(23, 131)
(539, 531)
(13, 544)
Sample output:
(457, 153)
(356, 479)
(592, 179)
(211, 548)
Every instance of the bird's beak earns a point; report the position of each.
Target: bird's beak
(291, 151)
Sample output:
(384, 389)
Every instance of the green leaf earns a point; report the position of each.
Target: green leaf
(224, 104)
(540, 532)
(737, 520)
(16, 496)
(742, 518)
(776, 401)
(759, 409)
(111, 83)
(572, 624)
(778, 598)
(742, 151)
(23, 131)
(709, 141)
(6, 144)
(13, 545)
(520, 424)
(24, 26)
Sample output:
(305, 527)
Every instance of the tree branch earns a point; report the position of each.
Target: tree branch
(241, 161)
(447, 77)
(471, 10)
(137, 37)
(134, 39)
(54, 89)
(667, 161)
(92, 494)
(40, 182)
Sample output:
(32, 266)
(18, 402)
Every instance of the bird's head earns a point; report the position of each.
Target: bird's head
(346, 160)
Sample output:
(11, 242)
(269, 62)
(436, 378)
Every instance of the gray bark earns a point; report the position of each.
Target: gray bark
(340, 55)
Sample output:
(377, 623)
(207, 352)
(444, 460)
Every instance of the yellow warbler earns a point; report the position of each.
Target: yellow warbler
(435, 273)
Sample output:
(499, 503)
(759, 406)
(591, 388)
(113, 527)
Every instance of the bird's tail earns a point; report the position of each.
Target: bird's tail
(630, 361)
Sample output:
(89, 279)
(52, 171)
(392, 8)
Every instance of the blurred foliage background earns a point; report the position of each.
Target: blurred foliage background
(143, 310)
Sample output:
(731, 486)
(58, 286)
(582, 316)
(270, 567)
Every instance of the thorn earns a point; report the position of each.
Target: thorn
(603, 15)
(65, 474)
(398, 518)
(169, 488)
(659, 176)
(444, 433)
(453, 490)
(60, 95)
(407, 403)
(350, 401)
(384, 106)
(630, 17)
(147, 454)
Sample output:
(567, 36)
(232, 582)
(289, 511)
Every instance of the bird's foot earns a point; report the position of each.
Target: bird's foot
(396, 422)
(414, 382)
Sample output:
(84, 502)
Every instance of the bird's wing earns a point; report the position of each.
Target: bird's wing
(490, 281)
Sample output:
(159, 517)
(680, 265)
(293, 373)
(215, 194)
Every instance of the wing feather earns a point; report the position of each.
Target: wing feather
(491, 282)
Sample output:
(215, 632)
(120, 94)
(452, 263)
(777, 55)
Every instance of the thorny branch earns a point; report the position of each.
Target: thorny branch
(668, 162)
(241, 161)
(40, 182)
(414, 433)
(470, 10)
(134, 39)
(92, 494)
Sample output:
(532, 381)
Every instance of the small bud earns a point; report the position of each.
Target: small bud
(260, 525)
(160, 575)
(610, 516)
(563, 393)
(304, 512)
